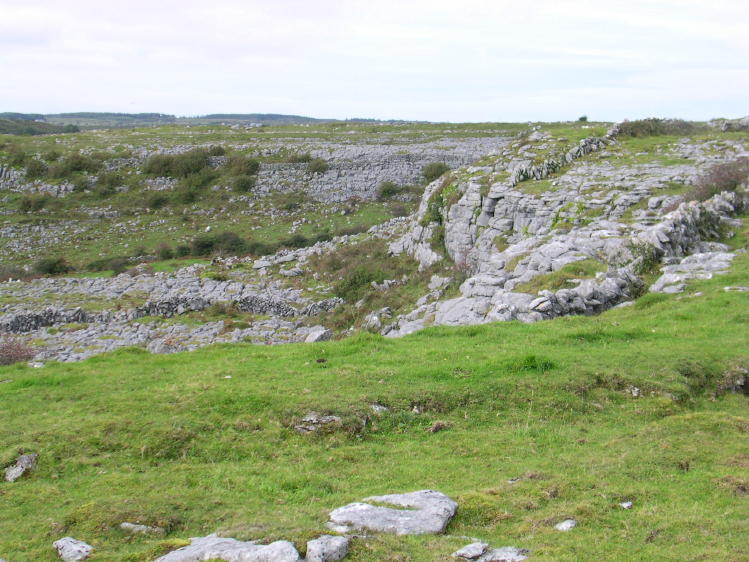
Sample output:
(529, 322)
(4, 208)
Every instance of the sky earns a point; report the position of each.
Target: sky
(434, 60)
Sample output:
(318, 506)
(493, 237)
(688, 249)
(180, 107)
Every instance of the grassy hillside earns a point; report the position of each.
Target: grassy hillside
(559, 419)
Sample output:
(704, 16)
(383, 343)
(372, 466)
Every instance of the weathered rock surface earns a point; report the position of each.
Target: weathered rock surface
(135, 529)
(23, 465)
(566, 525)
(72, 550)
(327, 548)
(314, 422)
(415, 513)
(232, 550)
(481, 552)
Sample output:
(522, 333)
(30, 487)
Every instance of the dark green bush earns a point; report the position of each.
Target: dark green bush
(216, 150)
(243, 184)
(582, 119)
(655, 127)
(387, 190)
(52, 266)
(221, 243)
(242, 166)
(354, 286)
(33, 203)
(434, 170)
(317, 166)
(164, 251)
(177, 165)
(35, 169)
(52, 155)
(157, 201)
(182, 251)
(72, 164)
(116, 264)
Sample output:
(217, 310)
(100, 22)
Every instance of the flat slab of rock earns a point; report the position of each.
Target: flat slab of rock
(232, 550)
(72, 550)
(480, 552)
(415, 513)
(327, 548)
(135, 529)
(314, 421)
(24, 464)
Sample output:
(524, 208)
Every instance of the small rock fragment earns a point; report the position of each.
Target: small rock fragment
(566, 525)
(327, 548)
(72, 550)
(626, 505)
(136, 529)
(471, 551)
(480, 552)
(24, 464)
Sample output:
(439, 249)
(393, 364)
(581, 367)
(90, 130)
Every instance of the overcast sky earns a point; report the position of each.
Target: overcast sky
(455, 60)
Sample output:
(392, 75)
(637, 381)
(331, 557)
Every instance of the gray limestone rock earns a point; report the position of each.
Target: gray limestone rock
(232, 550)
(135, 529)
(415, 513)
(72, 550)
(314, 422)
(327, 548)
(566, 525)
(23, 465)
(480, 552)
(318, 333)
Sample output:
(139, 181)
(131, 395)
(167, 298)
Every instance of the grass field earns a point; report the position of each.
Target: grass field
(632, 405)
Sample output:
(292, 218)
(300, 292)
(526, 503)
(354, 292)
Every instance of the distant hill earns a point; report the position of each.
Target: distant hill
(29, 127)
(105, 120)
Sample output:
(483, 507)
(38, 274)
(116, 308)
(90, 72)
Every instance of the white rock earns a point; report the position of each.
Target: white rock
(72, 550)
(566, 525)
(422, 512)
(24, 464)
(471, 551)
(327, 548)
(318, 333)
(140, 529)
(626, 505)
(232, 550)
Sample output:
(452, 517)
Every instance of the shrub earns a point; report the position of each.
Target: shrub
(387, 189)
(164, 251)
(157, 201)
(300, 158)
(582, 119)
(11, 272)
(216, 150)
(727, 176)
(399, 211)
(35, 169)
(317, 166)
(243, 184)
(177, 165)
(13, 350)
(52, 266)
(225, 243)
(242, 166)
(655, 127)
(182, 251)
(434, 170)
(52, 155)
(353, 286)
(33, 203)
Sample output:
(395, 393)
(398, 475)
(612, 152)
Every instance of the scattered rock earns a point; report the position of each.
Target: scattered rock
(24, 464)
(232, 550)
(736, 289)
(314, 422)
(480, 552)
(566, 525)
(422, 512)
(72, 550)
(471, 551)
(626, 505)
(318, 333)
(438, 426)
(327, 548)
(136, 529)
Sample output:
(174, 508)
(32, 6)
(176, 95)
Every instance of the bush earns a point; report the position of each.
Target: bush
(317, 166)
(157, 201)
(33, 203)
(177, 165)
(243, 184)
(182, 251)
(216, 150)
(434, 170)
(35, 169)
(387, 190)
(52, 266)
(11, 272)
(301, 158)
(52, 155)
(242, 166)
(164, 251)
(353, 286)
(655, 127)
(224, 243)
(13, 350)
(582, 119)
(727, 176)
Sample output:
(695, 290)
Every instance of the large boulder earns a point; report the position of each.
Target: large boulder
(232, 550)
(415, 513)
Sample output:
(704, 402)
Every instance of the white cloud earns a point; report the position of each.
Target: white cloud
(438, 60)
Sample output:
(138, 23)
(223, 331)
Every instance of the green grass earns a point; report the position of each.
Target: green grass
(561, 278)
(171, 440)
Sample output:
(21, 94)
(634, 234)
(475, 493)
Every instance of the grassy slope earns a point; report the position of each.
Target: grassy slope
(173, 440)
